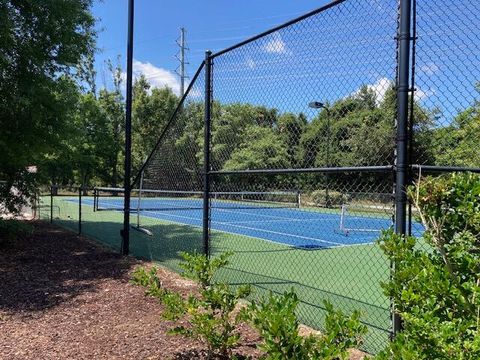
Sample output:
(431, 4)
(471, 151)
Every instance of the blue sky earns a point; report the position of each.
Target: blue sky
(210, 24)
(325, 58)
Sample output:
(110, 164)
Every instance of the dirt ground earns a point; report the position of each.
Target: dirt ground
(63, 296)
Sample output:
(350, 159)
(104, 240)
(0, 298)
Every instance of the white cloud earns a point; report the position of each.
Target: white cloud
(379, 88)
(429, 68)
(251, 63)
(423, 94)
(276, 45)
(156, 76)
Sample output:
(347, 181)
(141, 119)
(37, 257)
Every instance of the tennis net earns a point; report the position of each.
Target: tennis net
(358, 218)
(166, 200)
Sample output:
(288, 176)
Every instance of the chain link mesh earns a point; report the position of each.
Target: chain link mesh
(447, 71)
(319, 93)
(301, 180)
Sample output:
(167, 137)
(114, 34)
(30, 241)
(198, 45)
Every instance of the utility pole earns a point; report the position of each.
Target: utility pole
(181, 58)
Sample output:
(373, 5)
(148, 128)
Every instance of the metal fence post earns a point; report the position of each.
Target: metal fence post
(80, 189)
(206, 152)
(125, 248)
(51, 204)
(402, 158)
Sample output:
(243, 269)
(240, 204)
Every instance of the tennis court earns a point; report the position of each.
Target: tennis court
(281, 221)
(277, 245)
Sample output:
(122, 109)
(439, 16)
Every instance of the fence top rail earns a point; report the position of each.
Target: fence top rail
(279, 27)
(386, 168)
(188, 192)
(445, 169)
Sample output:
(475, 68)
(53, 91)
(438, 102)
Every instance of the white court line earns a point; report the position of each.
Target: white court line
(289, 220)
(236, 211)
(337, 244)
(280, 233)
(249, 228)
(256, 215)
(276, 242)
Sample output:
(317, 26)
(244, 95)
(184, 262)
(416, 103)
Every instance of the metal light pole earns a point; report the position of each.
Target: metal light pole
(128, 134)
(320, 105)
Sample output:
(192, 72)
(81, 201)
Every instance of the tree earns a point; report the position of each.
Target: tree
(457, 144)
(230, 124)
(263, 150)
(291, 129)
(41, 42)
(152, 108)
(90, 140)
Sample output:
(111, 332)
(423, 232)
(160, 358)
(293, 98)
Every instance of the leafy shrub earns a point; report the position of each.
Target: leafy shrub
(436, 283)
(11, 229)
(149, 280)
(342, 332)
(275, 319)
(210, 315)
(201, 269)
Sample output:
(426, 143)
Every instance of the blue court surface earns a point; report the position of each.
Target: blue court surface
(300, 228)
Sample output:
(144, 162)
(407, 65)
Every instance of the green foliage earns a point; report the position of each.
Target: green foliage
(41, 44)
(436, 284)
(456, 144)
(152, 108)
(175, 306)
(262, 150)
(210, 315)
(342, 332)
(13, 229)
(149, 280)
(200, 268)
(275, 319)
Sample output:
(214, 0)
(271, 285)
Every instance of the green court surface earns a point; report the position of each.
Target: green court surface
(348, 276)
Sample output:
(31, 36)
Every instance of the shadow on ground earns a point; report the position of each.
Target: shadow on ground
(316, 275)
(43, 270)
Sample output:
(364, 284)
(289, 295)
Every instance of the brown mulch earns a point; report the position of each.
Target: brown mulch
(63, 296)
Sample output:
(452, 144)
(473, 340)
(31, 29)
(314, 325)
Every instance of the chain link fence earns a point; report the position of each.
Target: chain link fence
(283, 151)
(290, 110)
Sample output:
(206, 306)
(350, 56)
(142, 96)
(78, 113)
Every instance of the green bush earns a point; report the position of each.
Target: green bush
(209, 315)
(200, 268)
(436, 283)
(149, 280)
(11, 229)
(275, 319)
